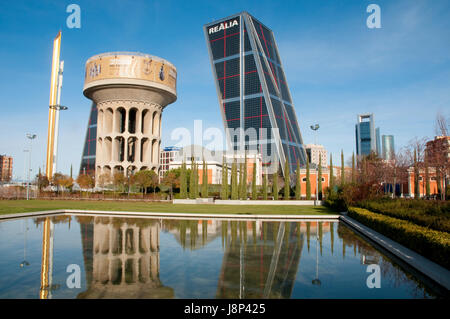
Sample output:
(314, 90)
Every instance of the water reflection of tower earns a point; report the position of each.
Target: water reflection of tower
(265, 267)
(47, 259)
(123, 258)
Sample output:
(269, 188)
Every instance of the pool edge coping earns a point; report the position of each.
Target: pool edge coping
(425, 266)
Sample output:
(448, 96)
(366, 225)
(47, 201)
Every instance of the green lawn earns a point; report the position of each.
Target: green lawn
(22, 206)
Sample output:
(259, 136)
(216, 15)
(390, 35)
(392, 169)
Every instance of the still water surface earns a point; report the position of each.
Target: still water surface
(172, 258)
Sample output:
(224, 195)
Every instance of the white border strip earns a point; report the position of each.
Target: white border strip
(203, 216)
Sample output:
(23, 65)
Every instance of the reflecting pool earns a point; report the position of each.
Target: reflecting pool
(80, 256)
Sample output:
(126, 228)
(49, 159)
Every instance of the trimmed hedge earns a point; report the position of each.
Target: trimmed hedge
(432, 214)
(430, 243)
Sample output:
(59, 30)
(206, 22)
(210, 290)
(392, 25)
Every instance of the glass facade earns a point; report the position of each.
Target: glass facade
(367, 136)
(90, 143)
(252, 90)
(388, 147)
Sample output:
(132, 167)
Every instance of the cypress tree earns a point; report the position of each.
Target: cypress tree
(287, 180)
(196, 190)
(342, 169)
(244, 179)
(298, 183)
(319, 173)
(353, 169)
(240, 181)
(227, 186)
(192, 180)
(264, 187)
(183, 182)
(416, 176)
(438, 182)
(254, 188)
(308, 182)
(234, 182)
(331, 175)
(427, 180)
(205, 180)
(224, 188)
(275, 185)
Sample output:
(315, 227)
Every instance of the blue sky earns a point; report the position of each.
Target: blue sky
(335, 66)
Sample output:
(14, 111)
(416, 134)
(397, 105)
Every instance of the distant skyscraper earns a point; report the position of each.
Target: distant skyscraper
(367, 137)
(315, 153)
(252, 90)
(388, 147)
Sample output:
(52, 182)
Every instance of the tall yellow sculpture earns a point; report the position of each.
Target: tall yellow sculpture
(52, 110)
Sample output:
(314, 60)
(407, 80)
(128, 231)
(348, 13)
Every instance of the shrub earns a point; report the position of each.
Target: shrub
(432, 244)
(349, 195)
(432, 214)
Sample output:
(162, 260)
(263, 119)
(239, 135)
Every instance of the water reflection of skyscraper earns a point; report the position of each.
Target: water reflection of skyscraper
(265, 267)
(122, 259)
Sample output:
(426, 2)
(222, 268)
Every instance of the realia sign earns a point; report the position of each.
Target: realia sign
(223, 26)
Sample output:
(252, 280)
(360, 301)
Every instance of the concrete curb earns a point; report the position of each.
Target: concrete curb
(427, 267)
(31, 214)
(204, 216)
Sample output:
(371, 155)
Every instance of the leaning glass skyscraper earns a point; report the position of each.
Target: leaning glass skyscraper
(255, 102)
(87, 165)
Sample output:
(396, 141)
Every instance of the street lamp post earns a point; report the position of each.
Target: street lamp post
(31, 137)
(315, 128)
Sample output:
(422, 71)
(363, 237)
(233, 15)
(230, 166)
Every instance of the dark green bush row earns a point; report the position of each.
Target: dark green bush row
(432, 244)
(336, 204)
(432, 214)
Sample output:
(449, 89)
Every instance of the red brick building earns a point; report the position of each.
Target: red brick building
(437, 158)
(422, 182)
(6, 167)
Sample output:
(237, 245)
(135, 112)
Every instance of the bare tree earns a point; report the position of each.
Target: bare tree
(417, 144)
(103, 180)
(441, 126)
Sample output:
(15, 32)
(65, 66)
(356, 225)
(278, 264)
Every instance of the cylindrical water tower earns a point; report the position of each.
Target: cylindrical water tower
(130, 91)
